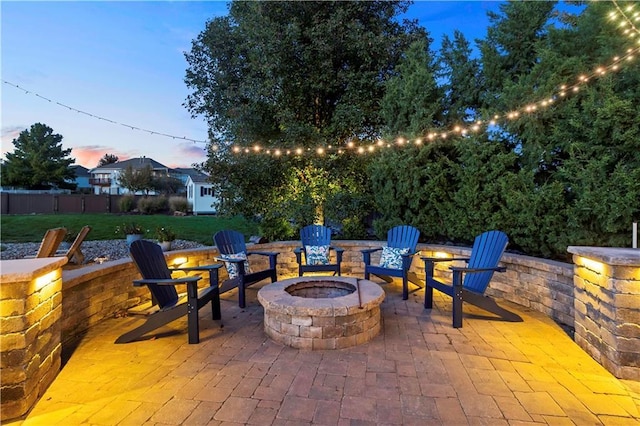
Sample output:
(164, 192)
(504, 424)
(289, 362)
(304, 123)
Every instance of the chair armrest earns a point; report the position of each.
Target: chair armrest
(366, 255)
(198, 268)
(458, 271)
(429, 264)
(444, 259)
(336, 249)
(219, 259)
(409, 254)
(297, 250)
(472, 270)
(168, 281)
(213, 271)
(370, 250)
(262, 253)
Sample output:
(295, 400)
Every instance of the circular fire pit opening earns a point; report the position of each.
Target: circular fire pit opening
(321, 312)
(320, 289)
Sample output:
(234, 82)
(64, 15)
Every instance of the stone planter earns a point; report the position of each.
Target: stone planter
(165, 245)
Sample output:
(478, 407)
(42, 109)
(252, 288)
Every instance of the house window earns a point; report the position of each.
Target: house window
(206, 191)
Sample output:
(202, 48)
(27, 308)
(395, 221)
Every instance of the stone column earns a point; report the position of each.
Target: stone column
(30, 348)
(607, 307)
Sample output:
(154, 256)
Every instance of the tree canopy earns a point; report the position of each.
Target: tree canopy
(304, 75)
(38, 161)
(107, 159)
(564, 175)
(137, 180)
(293, 75)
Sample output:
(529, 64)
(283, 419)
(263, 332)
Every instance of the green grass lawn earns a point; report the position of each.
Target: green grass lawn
(31, 228)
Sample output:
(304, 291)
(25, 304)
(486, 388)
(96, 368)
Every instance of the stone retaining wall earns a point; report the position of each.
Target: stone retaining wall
(96, 292)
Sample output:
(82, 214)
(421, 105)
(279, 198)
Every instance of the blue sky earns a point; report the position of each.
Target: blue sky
(124, 61)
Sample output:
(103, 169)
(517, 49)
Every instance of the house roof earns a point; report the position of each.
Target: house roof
(199, 178)
(135, 163)
(190, 172)
(81, 171)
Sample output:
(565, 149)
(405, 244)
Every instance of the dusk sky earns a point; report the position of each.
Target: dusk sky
(123, 61)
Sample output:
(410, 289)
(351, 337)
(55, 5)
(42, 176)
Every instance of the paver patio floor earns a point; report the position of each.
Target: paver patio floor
(419, 370)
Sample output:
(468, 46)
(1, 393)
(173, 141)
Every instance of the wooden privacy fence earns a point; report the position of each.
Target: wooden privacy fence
(58, 203)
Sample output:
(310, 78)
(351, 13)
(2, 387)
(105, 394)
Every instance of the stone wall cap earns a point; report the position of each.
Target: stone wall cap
(621, 256)
(20, 270)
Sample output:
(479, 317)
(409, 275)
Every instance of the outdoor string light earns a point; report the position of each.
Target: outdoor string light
(628, 18)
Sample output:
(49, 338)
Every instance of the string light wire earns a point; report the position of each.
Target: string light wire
(151, 132)
(430, 136)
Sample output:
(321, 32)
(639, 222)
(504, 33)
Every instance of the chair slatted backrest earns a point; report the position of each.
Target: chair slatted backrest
(50, 242)
(315, 235)
(78, 242)
(403, 236)
(230, 242)
(151, 264)
(487, 250)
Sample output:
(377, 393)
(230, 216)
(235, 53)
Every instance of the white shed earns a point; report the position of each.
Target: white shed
(200, 194)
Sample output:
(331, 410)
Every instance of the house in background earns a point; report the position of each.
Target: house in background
(82, 178)
(105, 179)
(200, 194)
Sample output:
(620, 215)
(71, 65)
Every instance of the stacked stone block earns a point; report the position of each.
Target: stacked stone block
(607, 307)
(30, 347)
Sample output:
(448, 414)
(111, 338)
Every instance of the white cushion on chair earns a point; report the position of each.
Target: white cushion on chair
(392, 257)
(317, 255)
(232, 268)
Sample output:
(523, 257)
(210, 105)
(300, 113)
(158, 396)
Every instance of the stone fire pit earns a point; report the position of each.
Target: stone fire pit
(321, 312)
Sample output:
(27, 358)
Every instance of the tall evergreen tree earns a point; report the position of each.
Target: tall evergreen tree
(38, 161)
(461, 76)
(510, 50)
(411, 103)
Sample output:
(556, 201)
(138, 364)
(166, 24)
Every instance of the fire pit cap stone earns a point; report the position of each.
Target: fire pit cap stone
(274, 296)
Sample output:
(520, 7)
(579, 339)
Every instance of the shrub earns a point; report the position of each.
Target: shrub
(179, 204)
(160, 203)
(127, 203)
(154, 204)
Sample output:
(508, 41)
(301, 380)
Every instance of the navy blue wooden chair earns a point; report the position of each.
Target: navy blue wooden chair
(396, 258)
(483, 262)
(233, 252)
(316, 247)
(156, 275)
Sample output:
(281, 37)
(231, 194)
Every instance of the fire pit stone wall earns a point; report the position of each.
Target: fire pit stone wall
(317, 323)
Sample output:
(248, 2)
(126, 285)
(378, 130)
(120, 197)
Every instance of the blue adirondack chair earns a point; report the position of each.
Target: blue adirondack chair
(156, 275)
(401, 247)
(233, 252)
(485, 255)
(316, 246)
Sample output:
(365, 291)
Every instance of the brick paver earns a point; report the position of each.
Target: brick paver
(419, 370)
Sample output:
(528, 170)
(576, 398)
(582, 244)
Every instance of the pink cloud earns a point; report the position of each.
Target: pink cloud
(8, 135)
(90, 155)
(189, 153)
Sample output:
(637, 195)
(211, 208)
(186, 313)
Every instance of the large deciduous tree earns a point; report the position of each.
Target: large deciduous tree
(38, 161)
(288, 75)
(137, 180)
